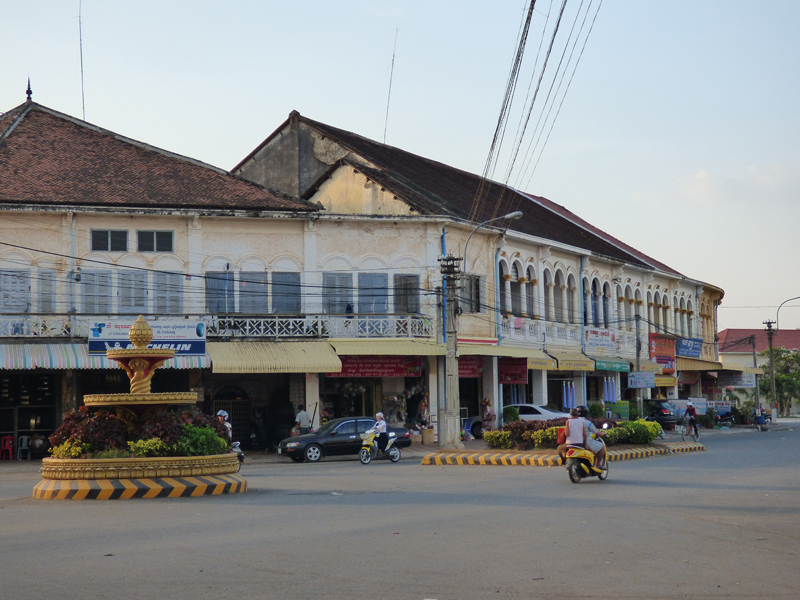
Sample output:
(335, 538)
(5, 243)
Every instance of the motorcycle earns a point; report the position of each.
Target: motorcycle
(580, 463)
(369, 448)
(235, 448)
(725, 420)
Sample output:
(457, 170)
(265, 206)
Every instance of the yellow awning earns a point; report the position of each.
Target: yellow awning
(571, 361)
(392, 347)
(666, 381)
(693, 364)
(647, 366)
(537, 360)
(273, 357)
(742, 369)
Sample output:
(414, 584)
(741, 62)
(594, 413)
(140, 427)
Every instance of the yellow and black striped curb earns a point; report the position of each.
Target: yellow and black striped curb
(527, 459)
(123, 489)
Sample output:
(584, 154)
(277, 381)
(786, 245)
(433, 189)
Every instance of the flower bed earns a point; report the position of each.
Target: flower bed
(530, 435)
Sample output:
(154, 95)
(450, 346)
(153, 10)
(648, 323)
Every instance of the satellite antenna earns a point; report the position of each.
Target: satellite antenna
(391, 74)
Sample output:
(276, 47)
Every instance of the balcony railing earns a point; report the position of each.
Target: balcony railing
(241, 326)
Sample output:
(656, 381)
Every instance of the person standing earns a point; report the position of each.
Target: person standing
(303, 421)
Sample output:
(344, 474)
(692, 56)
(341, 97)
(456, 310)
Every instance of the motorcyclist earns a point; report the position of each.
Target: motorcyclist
(596, 446)
(222, 416)
(380, 431)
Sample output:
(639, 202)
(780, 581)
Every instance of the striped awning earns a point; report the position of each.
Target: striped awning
(392, 347)
(273, 357)
(75, 356)
(694, 364)
(572, 361)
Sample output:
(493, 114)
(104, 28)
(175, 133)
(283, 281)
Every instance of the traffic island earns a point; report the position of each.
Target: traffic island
(548, 458)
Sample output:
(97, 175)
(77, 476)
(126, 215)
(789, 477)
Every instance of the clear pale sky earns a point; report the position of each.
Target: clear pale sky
(679, 132)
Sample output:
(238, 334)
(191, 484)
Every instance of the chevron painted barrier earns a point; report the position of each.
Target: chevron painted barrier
(123, 489)
(507, 458)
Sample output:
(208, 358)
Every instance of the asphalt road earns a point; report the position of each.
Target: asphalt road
(714, 524)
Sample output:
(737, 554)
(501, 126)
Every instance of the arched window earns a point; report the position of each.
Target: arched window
(531, 296)
(572, 313)
(558, 298)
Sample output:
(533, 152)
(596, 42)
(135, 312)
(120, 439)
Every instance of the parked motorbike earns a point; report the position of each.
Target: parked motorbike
(369, 448)
(580, 463)
(725, 420)
(236, 449)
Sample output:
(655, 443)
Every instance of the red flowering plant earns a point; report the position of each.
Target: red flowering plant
(84, 433)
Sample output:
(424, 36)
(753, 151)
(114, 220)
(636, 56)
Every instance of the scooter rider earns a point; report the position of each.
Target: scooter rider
(596, 446)
(380, 431)
(223, 418)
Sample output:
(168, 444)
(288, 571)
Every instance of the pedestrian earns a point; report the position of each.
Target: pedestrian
(303, 421)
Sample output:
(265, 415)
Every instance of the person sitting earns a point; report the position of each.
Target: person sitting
(593, 444)
(575, 433)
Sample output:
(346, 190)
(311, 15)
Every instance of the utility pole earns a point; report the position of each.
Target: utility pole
(449, 418)
(755, 366)
(771, 366)
(639, 402)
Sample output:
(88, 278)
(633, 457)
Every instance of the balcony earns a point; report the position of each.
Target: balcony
(26, 326)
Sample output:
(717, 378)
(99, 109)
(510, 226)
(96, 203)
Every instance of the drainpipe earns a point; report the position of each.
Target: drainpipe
(583, 326)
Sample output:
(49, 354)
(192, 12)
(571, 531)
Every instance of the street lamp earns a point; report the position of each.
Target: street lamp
(517, 214)
(778, 314)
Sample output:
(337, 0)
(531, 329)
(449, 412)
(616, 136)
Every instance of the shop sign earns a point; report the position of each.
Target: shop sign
(662, 350)
(709, 386)
(689, 347)
(620, 366)
(187, 338)
(641, 380)
(619, 410)
(512, 370)
(721, 407)
(600, 342)
(662, 381)
(700, 405)
(379, 366)
(470, 367)
(736, 379)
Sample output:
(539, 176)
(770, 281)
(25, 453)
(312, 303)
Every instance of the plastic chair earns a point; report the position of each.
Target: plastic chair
(23, 446)
(7, 445)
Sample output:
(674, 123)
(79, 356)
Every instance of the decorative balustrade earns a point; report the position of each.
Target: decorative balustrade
(244, 326)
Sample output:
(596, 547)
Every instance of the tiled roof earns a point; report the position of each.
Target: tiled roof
(50, 158)
(735, 340)
(437, 189)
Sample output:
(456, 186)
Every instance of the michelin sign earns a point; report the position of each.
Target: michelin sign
(187, 338)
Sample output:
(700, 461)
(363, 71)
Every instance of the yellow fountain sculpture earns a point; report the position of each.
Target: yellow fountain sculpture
(123, 478)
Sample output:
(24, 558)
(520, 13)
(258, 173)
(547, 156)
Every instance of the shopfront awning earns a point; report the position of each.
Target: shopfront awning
(742, 369)
(273, 357)
(647, 366)
(537, 360)
(611, 363)
(76, 356)
(572, 361)
(694, 364)
(393, 347)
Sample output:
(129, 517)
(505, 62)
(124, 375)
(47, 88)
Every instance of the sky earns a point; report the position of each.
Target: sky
(676, 131)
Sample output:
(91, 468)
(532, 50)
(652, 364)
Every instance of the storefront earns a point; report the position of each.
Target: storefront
(566, 385)
(604, 383)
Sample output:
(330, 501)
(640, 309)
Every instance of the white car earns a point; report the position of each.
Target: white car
(532, 412)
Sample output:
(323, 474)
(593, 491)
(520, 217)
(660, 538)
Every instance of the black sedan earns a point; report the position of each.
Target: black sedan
(335, 438)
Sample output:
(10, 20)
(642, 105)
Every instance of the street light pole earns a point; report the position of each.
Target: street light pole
(517, 214)
(778, 314)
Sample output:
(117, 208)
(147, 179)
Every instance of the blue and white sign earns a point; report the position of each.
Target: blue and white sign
(689, 347)
(641, 380)
(187, 338)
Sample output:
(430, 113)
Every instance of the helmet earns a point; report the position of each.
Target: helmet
(689, 403)
(583, 411)
(379, 414)
(222, 413)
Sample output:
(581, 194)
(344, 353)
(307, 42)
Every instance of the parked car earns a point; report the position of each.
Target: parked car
(662, 412)
(533, 412)
(335, 438)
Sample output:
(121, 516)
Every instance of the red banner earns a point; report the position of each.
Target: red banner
(512, 370)
(379, 366)
(662, 350)
(470, 367)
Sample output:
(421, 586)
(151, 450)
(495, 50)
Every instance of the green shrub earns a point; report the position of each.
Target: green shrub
(70, 448)
(653, 428)
(638, 433)
(111, 453)
(500, 439)
(200, 441)
(149, 447)
(510, 414)
(596, 411)
(616, 435)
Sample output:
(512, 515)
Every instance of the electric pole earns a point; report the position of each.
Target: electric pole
(449, 418)
(771, 366)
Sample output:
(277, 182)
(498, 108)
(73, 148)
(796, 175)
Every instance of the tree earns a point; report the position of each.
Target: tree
(787, 377)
